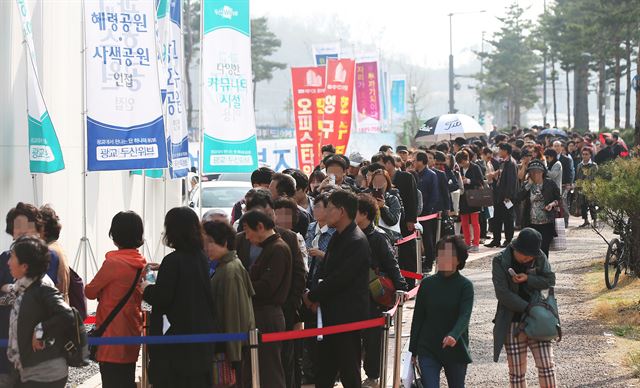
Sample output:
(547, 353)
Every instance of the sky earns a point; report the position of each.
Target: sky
(416, 29)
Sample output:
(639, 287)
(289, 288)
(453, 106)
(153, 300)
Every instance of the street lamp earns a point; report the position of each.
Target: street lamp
(452, 108)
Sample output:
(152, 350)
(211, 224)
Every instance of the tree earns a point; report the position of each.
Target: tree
(263, 44)
(511, 68)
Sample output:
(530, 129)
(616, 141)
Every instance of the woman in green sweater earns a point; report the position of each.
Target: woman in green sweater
(440, 326)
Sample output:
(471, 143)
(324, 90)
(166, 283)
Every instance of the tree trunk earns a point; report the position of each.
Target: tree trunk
(635, 240)
(553, 92)
(602, 92)
(636, 137)
(627, 95)
(616, 97)
(566, 73)
(581, 97)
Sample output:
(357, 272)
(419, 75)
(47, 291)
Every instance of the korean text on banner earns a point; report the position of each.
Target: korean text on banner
(125, 126)
(322, 52)
(308, 97)
(227, 102)
(45, 154)
(279, 154)
(398, 97)
(335, 127)
(170, 36)
(367, 98)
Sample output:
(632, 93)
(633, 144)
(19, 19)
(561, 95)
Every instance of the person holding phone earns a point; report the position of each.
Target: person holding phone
(388, 200)
(440, 325)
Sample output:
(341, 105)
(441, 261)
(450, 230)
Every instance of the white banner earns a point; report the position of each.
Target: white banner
(45, 154)
(323, 51)
(171, 51)
(227, 96)
(279, 154)
(125, 126)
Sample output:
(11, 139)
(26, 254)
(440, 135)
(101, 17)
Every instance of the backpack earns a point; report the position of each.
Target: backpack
(541, 321)
(76, 348)
(76, 293)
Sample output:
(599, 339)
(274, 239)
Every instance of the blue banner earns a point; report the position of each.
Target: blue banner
(398, 97)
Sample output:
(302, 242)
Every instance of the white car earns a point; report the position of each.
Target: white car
(221, 195)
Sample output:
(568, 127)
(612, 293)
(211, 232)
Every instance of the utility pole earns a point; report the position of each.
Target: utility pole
(544, 77)
(480, 107)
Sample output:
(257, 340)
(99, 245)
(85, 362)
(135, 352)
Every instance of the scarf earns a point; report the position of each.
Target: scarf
(13, 352)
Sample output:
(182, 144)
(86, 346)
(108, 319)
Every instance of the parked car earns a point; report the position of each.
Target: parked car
(220, 195)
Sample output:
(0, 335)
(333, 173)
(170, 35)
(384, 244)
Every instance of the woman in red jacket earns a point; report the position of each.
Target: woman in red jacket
(109, 286)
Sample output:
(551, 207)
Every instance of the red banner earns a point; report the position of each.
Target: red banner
(335, 126)
(308, 100)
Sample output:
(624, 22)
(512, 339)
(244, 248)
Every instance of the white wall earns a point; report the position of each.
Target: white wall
(58, 40)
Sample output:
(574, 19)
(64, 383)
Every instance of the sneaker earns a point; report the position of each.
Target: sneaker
(474, 248)
(370, 383)
(493, 244)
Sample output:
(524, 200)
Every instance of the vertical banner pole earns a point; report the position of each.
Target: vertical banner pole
(144, 379)
(418, 255)
(384, 355)
(398, 344)
(255, 367)
(200, 115)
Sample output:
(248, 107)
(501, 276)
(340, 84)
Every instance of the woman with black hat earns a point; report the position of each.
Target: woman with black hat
(540, 197)
(519, 274)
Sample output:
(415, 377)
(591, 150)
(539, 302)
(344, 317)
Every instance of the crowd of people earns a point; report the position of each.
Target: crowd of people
(301, 248)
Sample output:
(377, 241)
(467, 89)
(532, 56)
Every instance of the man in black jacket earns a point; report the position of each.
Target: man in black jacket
(504, 194)
(343, 293)
(383, 263)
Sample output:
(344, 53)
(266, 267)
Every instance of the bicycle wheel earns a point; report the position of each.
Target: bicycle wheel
(612, 264)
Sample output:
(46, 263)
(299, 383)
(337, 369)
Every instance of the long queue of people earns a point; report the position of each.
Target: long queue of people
(297, 244)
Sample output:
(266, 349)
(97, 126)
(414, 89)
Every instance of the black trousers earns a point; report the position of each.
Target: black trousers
(269, 319)
(429, 230)
(586, 208)
(547, 231)
(339, 354)
(502, 217)
(118, 375)
(483, 224)
(407, 259)
(33, 384)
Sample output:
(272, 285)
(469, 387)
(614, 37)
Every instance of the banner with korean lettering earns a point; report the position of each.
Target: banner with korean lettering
(227, 104)
(398, 97)
(125, 125)
(335, 126)
(45, 154)
(308, 97)
(367, 97)
(279, 154)
(170, 36)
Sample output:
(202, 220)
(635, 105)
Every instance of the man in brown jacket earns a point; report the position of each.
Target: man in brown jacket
(271, 279)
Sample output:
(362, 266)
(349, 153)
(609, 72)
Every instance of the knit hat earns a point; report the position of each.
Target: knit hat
(528, 242)
(536, 165)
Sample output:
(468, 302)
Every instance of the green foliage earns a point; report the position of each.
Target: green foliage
(263, 44)
(511, 68)
(616, 187)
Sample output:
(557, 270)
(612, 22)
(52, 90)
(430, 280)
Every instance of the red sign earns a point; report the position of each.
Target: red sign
(308, 98)
(335, 126)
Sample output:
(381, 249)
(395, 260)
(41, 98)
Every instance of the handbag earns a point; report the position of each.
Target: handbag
(417, 380)
(407, 371)
(541, 321)
(223, 373)
(99, 331)
(447, 227)
(76, 348)
(381, 289)
(482, 197)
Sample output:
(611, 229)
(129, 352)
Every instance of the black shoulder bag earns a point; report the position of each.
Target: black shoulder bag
(99, 331)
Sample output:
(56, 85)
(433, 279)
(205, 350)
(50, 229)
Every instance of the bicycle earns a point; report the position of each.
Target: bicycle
(619, 252)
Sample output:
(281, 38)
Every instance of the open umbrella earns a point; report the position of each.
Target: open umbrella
(447, 127)
(553, 132)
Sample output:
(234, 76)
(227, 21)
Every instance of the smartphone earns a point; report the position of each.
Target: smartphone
(512, 272)
(332, 179)
(377, 193)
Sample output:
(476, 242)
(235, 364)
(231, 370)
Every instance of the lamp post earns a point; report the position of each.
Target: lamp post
(452, 108)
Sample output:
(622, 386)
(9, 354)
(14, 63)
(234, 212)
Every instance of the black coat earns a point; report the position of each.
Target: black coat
(182, 292)
(550, 193)
(507, 183)
(474, 174)
(42, 303)
(406, 185)
(443, 187)
(343, 293)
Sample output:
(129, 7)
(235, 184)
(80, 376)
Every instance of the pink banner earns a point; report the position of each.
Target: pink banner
(367, 98)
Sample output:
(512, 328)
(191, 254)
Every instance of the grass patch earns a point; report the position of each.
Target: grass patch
(633, 362)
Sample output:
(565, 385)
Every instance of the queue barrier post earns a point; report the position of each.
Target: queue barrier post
(418, 254)
(255, 367)
(400, 296)
(144, 377)
(384, 355)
